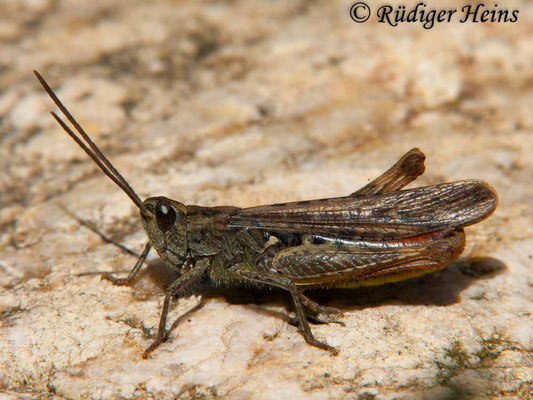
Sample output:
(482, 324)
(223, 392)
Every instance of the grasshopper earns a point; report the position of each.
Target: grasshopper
(379, 234)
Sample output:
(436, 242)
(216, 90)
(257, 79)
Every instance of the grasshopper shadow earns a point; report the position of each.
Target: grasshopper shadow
(441, 288)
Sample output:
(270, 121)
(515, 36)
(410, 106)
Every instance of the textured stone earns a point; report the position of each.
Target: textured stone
(244, 103)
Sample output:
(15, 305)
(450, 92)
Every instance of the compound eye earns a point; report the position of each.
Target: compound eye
(165, 216)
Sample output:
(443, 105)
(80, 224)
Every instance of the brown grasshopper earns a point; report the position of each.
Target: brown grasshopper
(376, 235)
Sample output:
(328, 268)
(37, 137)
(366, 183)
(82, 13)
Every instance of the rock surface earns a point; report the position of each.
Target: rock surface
(244, 103)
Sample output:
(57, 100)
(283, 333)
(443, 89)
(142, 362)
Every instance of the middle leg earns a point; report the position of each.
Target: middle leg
(286, 283)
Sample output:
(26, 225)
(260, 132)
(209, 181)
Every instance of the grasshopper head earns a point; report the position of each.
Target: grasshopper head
(164, 220)
(165, 223)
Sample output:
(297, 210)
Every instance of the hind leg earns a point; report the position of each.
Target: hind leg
(405, 171)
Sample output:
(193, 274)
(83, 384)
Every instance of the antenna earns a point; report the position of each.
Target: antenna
(92, 150)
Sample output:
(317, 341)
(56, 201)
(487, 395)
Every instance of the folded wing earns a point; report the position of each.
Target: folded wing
(402, 213)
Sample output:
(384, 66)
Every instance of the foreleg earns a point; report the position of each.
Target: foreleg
(179, 284)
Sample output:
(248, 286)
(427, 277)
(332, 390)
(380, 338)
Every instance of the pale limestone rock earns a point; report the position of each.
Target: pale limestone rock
(243, 104)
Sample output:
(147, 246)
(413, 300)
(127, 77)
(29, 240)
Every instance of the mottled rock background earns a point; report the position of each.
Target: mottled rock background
(244, 103)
